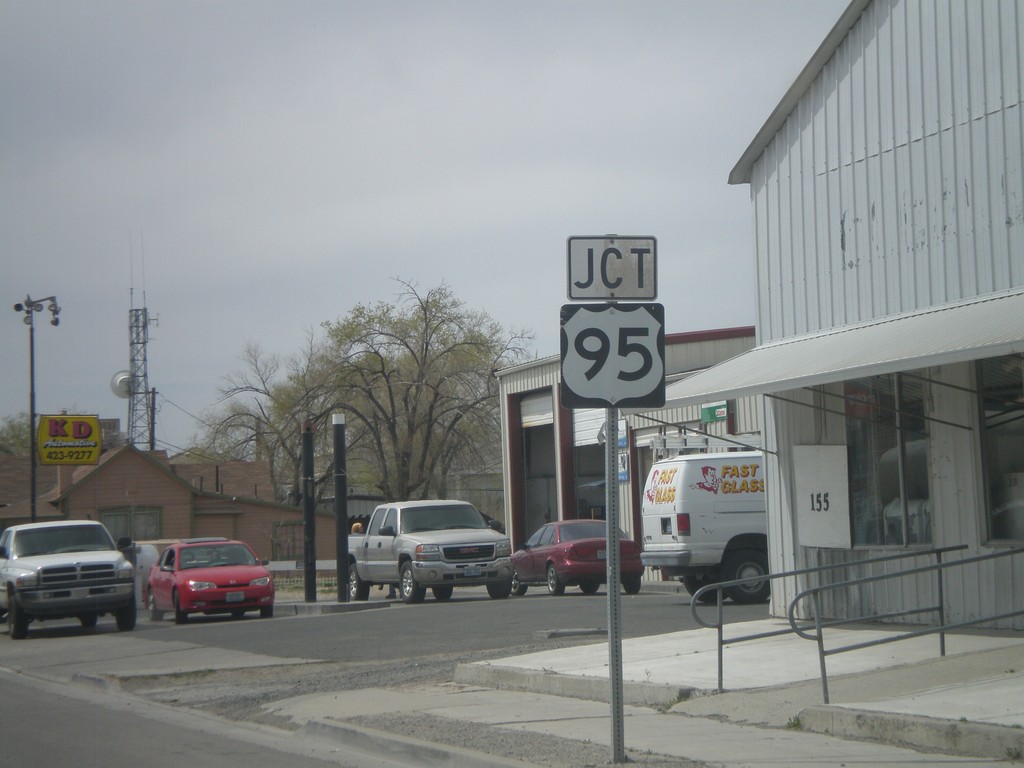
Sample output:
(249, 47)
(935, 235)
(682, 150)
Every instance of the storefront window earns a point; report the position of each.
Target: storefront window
(887, 453)
(1001, 385)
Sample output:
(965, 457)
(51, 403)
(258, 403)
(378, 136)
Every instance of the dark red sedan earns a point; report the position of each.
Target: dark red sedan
(573, 552)
(214, 575)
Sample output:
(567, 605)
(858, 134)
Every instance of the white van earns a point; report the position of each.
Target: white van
(704, 522)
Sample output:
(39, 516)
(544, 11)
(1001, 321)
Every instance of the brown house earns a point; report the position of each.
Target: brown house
(142, 495)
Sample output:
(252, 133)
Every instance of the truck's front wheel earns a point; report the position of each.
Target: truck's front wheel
(357, 588)
(747, 564)
(126, 616)
(411, 591)
(499, 590)
(17, 620)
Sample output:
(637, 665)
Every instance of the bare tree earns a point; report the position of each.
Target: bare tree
(415, 379)
(264, 408)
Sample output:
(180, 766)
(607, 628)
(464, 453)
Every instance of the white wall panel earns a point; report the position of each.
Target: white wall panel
(897, 182)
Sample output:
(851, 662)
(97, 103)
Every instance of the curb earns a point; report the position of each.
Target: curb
(317, 609)
(404, 750)
(653, 695)
(955, 737)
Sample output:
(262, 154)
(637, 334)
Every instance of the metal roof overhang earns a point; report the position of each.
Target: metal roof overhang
(986, 327)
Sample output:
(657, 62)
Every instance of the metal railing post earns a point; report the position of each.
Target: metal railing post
(821, 645)
(942, 604)
(721, 637)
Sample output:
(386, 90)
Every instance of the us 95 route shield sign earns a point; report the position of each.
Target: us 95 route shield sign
(613, 355)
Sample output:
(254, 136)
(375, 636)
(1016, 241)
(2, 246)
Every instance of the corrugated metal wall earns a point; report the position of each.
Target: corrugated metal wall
(897, 182)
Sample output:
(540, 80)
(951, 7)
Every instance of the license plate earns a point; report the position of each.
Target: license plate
(235, 597)
(601, 554)
(471, 571)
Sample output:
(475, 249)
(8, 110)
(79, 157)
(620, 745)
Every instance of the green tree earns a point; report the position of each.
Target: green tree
(15, 437)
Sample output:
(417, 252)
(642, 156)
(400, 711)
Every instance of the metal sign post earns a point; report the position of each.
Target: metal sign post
(612, 553)
(613, 355)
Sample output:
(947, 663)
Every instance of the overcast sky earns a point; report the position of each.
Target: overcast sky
(248, 169)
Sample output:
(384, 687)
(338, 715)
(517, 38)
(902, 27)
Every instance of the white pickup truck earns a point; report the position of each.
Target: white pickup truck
(437, 544)
(65, 569)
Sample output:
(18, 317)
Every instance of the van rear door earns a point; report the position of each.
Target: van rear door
(660, 507)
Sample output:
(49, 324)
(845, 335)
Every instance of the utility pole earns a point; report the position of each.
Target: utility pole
(30, 307)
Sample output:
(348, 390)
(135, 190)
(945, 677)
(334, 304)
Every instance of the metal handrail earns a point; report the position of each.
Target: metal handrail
(720, 587)
(814, 593)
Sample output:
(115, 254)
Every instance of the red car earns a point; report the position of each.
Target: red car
(213, 575)
(572, 552)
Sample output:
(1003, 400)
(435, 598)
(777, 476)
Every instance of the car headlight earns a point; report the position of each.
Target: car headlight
(28, 580)
(503, 549)
(428, 552)
(262, 581)
(194, 584)
(125, 570)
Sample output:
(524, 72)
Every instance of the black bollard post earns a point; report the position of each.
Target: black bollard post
(308, 512)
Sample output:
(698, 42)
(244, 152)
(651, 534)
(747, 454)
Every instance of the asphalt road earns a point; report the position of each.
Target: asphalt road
(61, 726)
(469, 623)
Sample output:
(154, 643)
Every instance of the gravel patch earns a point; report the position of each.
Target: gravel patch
(244, 694)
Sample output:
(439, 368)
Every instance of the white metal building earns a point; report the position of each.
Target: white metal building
(888, 203)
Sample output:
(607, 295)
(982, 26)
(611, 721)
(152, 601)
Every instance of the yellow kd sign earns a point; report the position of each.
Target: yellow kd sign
(67, 439)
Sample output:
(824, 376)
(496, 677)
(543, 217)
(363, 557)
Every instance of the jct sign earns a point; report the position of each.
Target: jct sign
(69, 439)
(613, 268)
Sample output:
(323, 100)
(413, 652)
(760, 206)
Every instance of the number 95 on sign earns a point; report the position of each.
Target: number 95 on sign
(613, 355)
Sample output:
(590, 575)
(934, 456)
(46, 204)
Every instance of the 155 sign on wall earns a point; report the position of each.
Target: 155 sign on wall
(613, 355)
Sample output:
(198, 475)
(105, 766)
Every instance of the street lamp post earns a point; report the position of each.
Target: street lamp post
(30, 307)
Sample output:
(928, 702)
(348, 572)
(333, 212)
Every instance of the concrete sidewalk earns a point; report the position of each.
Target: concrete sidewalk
(898, 703)
(895, 704)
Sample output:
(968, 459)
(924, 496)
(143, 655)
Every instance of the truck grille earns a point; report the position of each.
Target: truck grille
(88, 573)
(463, 552)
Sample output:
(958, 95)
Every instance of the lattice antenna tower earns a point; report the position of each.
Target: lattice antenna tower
(141, 411)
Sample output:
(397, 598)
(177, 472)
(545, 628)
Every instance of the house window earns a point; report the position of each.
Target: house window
(138, 524)
(887, 454)
(1001, 392)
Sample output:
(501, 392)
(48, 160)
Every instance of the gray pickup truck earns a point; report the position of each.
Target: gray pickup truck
(67, 569)
(437, 544)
